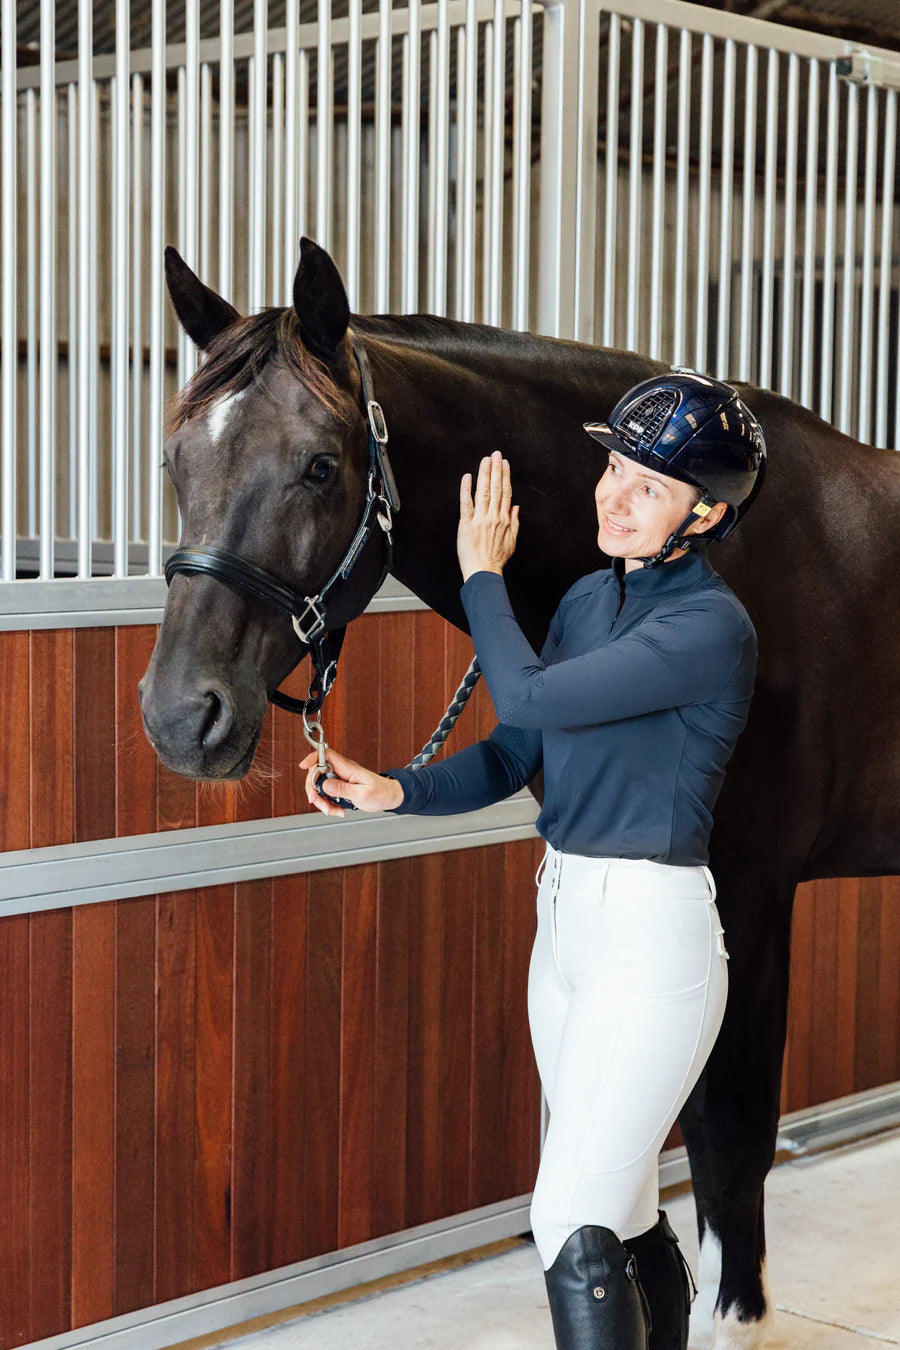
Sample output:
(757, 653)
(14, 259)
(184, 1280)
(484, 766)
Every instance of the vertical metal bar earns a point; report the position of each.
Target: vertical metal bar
(31, 306)
(749, 205)
(807, 341)
(660, 107)
(466, 225)
(766, 335)
(292, 42)
(157, 331)
(94, 345)
(848, 288)
(723, 318)
(442, 154)
(635, 185)
(828, 249)
(120, 304)
(205, 173)
(582, 173)
(324, 114)
(864, 411)
(431, 162)
(785, 382)
(522, 175)
(226, 146)
(49, 360)
(10, 348)
(258, 153)
(303, 143)
(72, 363)
(185, 360)
(488, 171)
(411, 130)
(681, 195)
(612, 180)
(137, 272)
(498, 154)
(277, 173)
(86, 192)
(354, 151)
(383, 159)
(884, 284)
(191, 128)
(458, 167)
(701, 359)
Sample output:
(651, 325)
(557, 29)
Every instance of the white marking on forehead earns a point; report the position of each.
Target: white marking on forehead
(220, 413)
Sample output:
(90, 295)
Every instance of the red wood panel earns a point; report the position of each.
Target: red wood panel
(252, 1173)
(15, 766)
(455, 1031)
(176, 1048)
(887, 991)
(50, 1138)
(135, 1094)
(426, 954)
(488, 1056)
(93, 1112)
(289, 959)
(52, 738)
(358, 985)
(213, 1069)
(392, 976)
(521, 1085)
(322, 1094)
(15, 1151)
(136, 761)
(95, 727)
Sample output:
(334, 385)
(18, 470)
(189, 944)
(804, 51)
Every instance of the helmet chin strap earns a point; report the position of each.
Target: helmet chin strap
(679, 539)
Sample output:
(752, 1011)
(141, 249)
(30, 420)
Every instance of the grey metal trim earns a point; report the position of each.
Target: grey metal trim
(103, 602)
(229, 1305)
(115, 869)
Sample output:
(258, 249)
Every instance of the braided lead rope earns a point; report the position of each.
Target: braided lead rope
(450, 718)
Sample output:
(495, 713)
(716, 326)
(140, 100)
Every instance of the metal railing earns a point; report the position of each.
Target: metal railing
(707, 189)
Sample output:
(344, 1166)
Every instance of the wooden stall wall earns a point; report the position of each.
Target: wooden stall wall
(77, 765)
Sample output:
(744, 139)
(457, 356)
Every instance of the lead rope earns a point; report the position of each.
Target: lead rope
(450, 718)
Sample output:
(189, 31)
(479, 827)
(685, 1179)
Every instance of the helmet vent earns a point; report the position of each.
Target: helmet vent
(643, 422)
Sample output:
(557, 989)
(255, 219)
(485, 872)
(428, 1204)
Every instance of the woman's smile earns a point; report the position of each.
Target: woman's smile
(613, 527)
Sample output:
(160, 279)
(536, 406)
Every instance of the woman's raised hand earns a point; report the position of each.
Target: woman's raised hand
(367, 791)
(489, 526)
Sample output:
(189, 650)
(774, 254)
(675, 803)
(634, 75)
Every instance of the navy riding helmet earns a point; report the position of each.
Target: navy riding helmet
(698, 430)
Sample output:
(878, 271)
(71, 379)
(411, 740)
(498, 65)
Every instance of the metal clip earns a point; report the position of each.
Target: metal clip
(385, 519)
(318, 625)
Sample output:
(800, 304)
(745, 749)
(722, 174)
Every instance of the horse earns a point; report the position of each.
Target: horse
(268, 457)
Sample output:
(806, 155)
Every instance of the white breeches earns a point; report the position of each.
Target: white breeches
(626, 994)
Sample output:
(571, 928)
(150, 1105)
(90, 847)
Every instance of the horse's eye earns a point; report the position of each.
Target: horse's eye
(321, 469)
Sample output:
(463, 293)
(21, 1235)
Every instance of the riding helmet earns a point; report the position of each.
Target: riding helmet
(698, 430)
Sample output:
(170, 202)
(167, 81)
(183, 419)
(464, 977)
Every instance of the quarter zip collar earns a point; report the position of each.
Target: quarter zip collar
(682, 574)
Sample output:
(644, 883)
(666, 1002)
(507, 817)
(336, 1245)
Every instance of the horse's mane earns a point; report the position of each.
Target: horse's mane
(238, 354)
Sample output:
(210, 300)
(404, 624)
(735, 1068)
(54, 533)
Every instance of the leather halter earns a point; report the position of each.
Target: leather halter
(308, 613)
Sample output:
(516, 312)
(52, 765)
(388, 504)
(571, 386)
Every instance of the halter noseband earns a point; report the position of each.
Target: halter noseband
(308, 612)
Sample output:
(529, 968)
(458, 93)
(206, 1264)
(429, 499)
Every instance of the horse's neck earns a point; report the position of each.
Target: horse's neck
(452, 393)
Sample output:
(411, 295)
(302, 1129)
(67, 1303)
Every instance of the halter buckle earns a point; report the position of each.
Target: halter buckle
(317, 626)
(377, 422)
(384, 517)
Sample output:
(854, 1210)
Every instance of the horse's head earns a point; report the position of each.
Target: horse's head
(268, 456)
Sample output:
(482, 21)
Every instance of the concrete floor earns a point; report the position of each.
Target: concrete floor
(834, 1268)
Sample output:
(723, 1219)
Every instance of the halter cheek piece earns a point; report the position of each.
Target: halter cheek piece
(308, 613)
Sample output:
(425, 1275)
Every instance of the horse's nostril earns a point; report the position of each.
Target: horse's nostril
(219, 719)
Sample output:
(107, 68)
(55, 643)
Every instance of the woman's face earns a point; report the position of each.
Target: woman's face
(638, 509)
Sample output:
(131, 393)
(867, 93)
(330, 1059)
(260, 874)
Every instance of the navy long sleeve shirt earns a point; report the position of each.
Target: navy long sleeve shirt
(633, 711)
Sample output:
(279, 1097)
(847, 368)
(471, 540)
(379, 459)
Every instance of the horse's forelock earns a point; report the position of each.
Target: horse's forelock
(238, 355)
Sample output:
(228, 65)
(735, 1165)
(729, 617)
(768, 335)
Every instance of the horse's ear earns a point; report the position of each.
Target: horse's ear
(202, 313)
(320, 301)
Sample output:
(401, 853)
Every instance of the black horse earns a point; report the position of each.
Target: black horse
(268, 456)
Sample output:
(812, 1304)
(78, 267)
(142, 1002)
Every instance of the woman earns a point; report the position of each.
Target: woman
(633, 707)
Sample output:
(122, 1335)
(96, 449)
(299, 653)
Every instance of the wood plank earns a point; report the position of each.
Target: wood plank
(889, 984)
(361, 676)
(358, 1143)
(95, 733)
(289, 957)
(289, 747)
(136, 761)
(50, 1134)
(489, 1125)
(522, 1094)
(93, 1112)
(871, 972)
(396, 742)
(389, 1207)
(176, 1041)
(800, 1006)
(423, 1156)
(213, 1060)
(461, 878)
(322, 1058)
(252, 1176)
(15, 718)
(135, 1090)
(15, 1313)
(427, 675)
(845, 984)
(52, 738)
(824, 993)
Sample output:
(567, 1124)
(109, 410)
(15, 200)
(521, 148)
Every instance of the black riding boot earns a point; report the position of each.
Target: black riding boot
(596, 1300)
(664, 1276)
